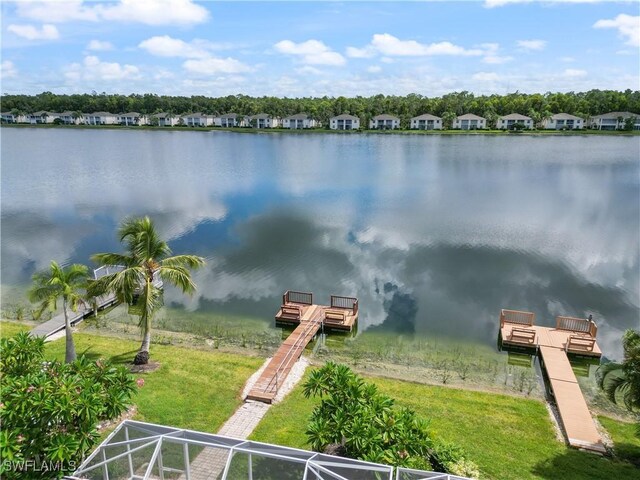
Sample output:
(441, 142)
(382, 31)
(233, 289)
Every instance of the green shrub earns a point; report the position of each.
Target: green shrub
(355, 420)
(50, 410)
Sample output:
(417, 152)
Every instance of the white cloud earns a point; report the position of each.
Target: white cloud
(213, 66)
(374, 69)
(99, 46)
(309, 70)
(574, 72)
(93, 69)
(502, 3)
(491, 55)
(486, 77)
(30, 32)
(150, 12)
(628, 27)
(166, 46)
(532, 44)
(389, 45)
(8, 70)
(366, 52)
(312, 52)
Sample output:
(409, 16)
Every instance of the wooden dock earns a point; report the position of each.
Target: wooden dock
(570, 336)
(298, 309)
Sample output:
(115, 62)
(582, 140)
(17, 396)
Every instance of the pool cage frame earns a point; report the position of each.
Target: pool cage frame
(140, 437)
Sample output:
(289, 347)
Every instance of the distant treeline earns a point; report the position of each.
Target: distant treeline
(537, 106)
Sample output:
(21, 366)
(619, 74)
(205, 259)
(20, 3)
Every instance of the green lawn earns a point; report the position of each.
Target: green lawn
(193, 389)
(9, 329)
(508, 437)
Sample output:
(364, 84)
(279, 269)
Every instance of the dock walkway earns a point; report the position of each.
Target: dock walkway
(571, 335)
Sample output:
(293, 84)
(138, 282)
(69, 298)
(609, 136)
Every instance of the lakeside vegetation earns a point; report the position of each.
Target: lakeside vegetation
(537, 105)
(508, 437)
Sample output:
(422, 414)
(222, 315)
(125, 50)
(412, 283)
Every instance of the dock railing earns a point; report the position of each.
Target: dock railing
(578, 325)
(517, 317)
(106, 270)
(291, 296)
(349, 303)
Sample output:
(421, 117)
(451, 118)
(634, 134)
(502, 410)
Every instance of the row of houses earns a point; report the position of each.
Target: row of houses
(469, 121)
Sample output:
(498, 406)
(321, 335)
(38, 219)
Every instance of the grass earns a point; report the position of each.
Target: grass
(508, 437)
(627, 443)
(195, 389)
(9, 329)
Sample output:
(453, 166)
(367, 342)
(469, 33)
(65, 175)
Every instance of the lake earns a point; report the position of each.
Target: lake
(433, 234)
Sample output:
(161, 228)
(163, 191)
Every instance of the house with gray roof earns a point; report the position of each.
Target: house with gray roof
(165, 119)
(507, 122)
(229, 120)
(469, 121)
(563, 121)
(263, 120)
(426, 122)
(384, 122)
(99, 118)
(197, 120)
(299, 120)
(8, 117)
(131, 119)
(344, 122)
(69, 118)
(42, 116)
(614, 121)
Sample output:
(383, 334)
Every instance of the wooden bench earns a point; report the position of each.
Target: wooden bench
(335, 316)
(577, 342)
(291, 311)
(525, 334)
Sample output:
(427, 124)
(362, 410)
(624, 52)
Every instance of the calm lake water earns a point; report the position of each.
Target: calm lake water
(434, 234)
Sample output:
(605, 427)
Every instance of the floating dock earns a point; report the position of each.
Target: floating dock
(570, 336)
(298, 309)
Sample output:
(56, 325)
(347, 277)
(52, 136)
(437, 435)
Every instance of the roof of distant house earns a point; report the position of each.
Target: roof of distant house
(564, 116)
(514, 116)
(615, 115)
(426, 116)
(260, 116)
(298, 116)
(345, 116)
(470, 116)
(229, 115)
(97, 114)
(385, 116)
(195, 115)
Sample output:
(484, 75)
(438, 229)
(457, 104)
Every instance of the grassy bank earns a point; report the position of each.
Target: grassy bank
(193, 388)
(325, 130)
(508, 437)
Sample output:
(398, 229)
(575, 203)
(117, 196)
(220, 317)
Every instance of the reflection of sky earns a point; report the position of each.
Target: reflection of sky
(432, 233)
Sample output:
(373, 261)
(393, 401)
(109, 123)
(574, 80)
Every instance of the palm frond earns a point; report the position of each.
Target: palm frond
(604, 370)
(179, 277)
(112, 259)
(189, 261)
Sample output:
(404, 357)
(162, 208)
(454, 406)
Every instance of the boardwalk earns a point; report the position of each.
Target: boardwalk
(266, 388)
(570, 336)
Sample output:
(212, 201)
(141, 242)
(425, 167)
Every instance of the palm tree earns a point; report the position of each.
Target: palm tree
(621, 381)
(66, 283)
(147, 260)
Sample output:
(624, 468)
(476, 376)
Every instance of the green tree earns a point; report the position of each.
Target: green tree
(58, 283)
(147, 260)
(50, 410)
(621, 381)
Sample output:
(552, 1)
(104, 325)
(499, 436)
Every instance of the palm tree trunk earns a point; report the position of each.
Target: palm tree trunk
(70, 350)
(142, 357)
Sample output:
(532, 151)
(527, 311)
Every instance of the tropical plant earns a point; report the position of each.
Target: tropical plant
(50, 410)
(147, 261)
(621, 381)
(353, 419)
(57, 283)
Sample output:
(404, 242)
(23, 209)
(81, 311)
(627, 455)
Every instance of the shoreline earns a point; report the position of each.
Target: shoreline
(272, 131)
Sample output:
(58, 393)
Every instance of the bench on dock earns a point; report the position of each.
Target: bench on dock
(293, 312)
(523, 334)
(335, 316)
(578, 325)
(580, 342)
(516, 316)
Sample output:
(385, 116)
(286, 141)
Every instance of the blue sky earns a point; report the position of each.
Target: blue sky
(184, 47)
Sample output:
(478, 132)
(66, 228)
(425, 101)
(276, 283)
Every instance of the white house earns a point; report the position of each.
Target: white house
(42, 117)
(166, 119)
(99, 118)
(197, 120)
(263, 120)
(300, 120)
(229, 120)
(562, 121)
(69, 118)
(384, 122)
(613, 121)
(469, 121)
(344, 122)
(9, 117)
(507, 122)
(131, 118)
(426, 122)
